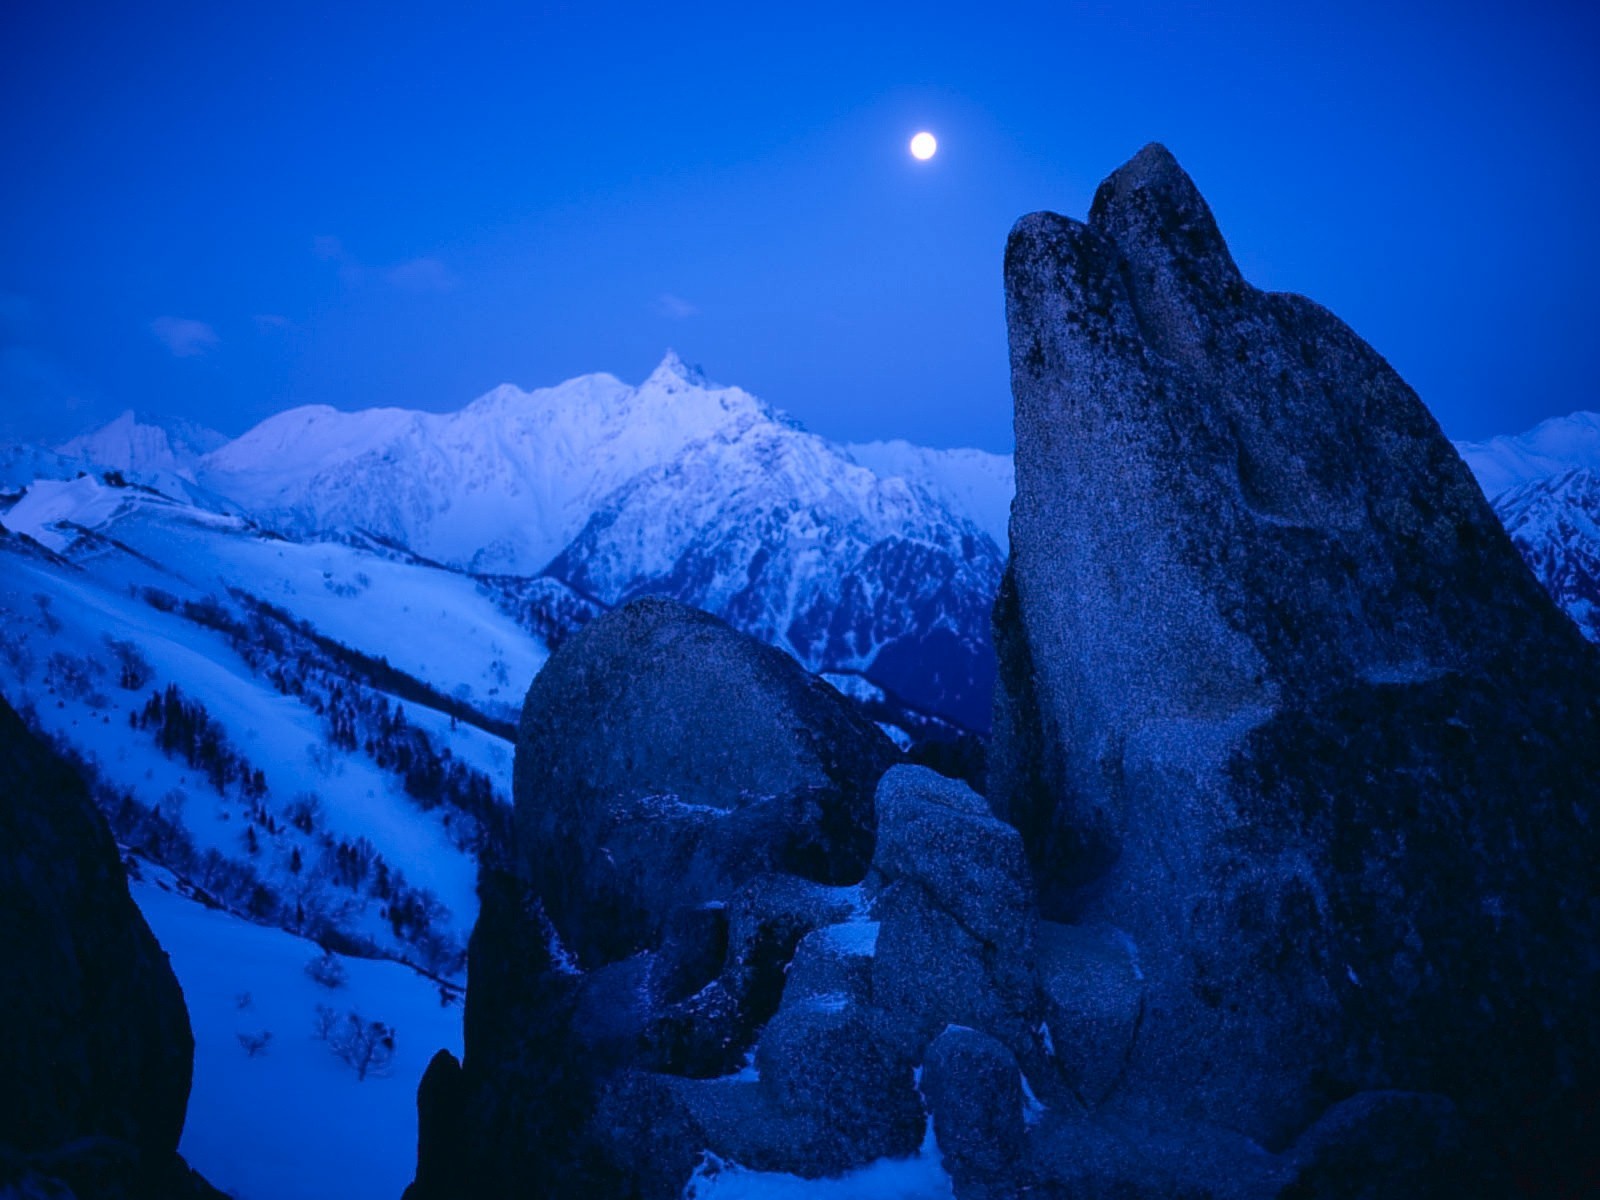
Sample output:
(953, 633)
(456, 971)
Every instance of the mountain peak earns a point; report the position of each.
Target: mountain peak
(673, 373)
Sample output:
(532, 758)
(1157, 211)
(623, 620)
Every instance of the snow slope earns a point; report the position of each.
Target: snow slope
(375, 602)
(1555, 524)
(292, 1121)
(975, 483)
(56, 664)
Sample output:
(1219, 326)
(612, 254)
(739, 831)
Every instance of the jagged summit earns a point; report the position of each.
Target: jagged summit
(499, 485)
(672, 372)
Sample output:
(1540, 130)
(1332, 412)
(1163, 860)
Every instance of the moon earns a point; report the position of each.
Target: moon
(924, 146)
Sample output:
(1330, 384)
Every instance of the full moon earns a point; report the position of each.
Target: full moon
(924, 145)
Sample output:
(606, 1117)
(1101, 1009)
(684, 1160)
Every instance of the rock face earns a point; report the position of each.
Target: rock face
(96, 1053)
(690, 804)
(1280, 704)
(665, 758)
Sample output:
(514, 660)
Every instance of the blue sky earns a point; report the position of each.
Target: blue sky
(215, 211)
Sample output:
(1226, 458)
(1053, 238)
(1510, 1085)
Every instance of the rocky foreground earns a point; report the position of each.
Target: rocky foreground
(1284, 886)
(96, 1054)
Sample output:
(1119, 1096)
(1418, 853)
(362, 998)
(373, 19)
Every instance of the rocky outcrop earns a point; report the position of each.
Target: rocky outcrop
(691, 805)
(1281, 707)
(1283, 890)
(664, 759)
(96, 1051)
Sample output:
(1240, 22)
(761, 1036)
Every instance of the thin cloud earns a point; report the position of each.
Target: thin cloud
(425, 274)
(421, 275)
(186, 338)
(675, 308)
(271, 322)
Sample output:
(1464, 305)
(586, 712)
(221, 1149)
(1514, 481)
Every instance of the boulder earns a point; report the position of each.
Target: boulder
(1092, 995)
(835, 960)
(822, 1060)
(974, 1093)
(1279, 700)
(690, 805)
(664, 759)
(1071, 1156)
(96, 1054)
(955, 914)
(1391, 1146)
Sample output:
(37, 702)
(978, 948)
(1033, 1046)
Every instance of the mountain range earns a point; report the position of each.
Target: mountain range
(291, 661)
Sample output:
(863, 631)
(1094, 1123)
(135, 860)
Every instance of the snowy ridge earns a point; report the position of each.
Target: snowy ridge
(782, 534)
(880, 559)
(1550, 448)
(1555, 525)
(498, 487)
(133, 446)
(975, 483)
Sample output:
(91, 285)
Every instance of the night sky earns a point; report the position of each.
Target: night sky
(215, 211)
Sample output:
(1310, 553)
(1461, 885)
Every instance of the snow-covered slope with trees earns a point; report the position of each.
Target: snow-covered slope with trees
(1555, 524)
(787, 538)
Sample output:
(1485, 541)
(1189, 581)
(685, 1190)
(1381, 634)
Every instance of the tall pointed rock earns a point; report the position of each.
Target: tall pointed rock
(1280, 702)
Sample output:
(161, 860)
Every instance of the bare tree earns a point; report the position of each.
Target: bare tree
(327, 970)
(255, 1044)
(366, 1047)
(323, 1023)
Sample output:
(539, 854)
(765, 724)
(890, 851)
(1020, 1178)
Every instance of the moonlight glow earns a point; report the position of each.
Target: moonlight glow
(923, 146)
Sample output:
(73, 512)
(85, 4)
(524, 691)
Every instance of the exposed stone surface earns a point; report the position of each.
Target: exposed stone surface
(690, 806)
(664, 759)
(1392, 1146)
(1279, 701)
(1092, 992)
(955, 913)
(974, 1092)
(96, 1052)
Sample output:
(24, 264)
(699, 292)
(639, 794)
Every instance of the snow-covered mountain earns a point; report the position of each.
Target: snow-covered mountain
(1550, 448)
(1543, 485)
(878, 561)
(137, 447)
(977, 484)
(497, 487)
(787, 538)
(1555, 523)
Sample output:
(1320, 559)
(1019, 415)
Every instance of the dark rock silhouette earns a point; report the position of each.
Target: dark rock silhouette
(1280, 704)
(690, 805)
(96, 1053)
